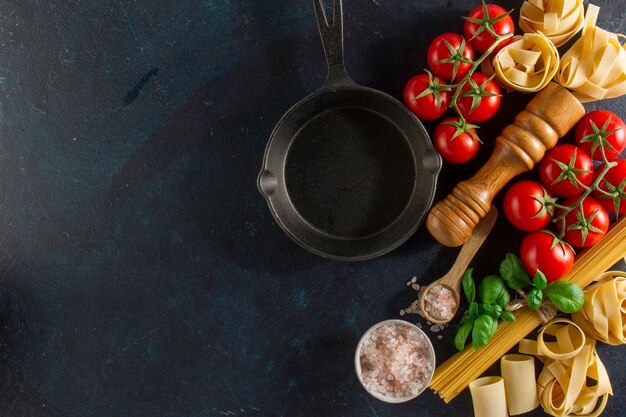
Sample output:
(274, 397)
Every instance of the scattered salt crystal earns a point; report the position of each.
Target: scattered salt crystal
(402, 312)
(414, 308)
(396, 361)
(439, 337)
(413, 280)
(439, 302)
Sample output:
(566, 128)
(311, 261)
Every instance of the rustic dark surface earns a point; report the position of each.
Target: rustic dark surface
(142, 274)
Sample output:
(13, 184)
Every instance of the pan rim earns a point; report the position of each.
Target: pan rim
(433, 173)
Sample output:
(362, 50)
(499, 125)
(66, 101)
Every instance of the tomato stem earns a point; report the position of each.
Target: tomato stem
(584, 223)
(459, 86)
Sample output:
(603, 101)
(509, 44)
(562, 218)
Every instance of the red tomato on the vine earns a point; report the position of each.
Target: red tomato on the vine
(453, 144)
(562, 167)
(583, 228)
(614, 182)
(528, 206)
(434, 101)
(480, 38)
(484, 99)
(541, 250)
(601, 129)
(450, 56)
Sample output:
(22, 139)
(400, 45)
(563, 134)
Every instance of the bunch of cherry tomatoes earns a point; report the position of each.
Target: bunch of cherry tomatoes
(453, 83)
(572, 194)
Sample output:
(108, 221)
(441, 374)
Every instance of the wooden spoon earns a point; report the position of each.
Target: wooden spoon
(452, 280)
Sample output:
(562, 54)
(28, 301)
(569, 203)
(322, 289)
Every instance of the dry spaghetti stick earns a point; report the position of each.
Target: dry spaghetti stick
(454, 375)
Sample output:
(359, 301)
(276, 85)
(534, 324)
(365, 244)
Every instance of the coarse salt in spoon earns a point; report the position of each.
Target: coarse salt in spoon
(440, 300)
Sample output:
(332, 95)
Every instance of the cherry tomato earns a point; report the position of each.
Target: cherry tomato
(454, 149)
(614, 182)
(457, 64)
(586, 228)
(502, 24)
(594, 132)
(435, 101)
(562, 166)
(487, 93)
(528, 205)
(541, 250)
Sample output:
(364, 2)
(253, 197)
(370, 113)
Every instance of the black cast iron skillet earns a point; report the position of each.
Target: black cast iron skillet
(349, 172)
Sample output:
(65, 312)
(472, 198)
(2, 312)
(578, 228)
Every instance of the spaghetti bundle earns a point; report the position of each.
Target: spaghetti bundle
(559, 20)
(603, 315)
(573, 380)
(528, 63)
(454, 375)
(595, 66)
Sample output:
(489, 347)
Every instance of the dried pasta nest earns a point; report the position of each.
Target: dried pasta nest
(573, 381)
(603, 315)
(595, 66)
(559, 20)
(528, 63)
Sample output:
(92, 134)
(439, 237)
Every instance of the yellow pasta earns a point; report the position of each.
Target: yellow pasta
(595, 66)
(455, 374)
(604, 313)
(559, 20)
(573, 380)
(488, 397)
(518, 373)
(528, 63)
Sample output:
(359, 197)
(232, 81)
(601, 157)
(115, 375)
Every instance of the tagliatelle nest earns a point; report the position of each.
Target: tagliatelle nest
(528, 63)
(595, 66)
(559, 20)
(603, 315)
(573, 380)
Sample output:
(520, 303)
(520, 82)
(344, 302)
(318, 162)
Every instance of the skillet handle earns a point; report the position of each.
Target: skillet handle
(331, 33)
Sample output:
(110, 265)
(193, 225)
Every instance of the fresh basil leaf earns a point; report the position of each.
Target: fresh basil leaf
(503, 298)
(540, 281)
(469, 288)
(473, 310)
(482, 331)
(513, 272)
(466, 317)
(492, 310)
(566, 296)
(507, 316)
(494, 327)
(535, 298)
(491, 289)
(462, 334)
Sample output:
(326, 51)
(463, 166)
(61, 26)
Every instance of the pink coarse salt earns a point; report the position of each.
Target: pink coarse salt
(396, 361)
(439, 303)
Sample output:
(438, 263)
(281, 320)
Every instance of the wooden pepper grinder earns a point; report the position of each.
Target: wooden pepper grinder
(522, 144)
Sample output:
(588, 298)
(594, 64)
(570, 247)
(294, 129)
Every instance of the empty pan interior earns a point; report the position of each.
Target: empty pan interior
(350, 172)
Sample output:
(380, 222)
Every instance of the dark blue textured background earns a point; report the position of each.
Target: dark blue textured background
(142, 274)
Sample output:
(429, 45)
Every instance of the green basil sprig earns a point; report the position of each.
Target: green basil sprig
(566, 296)
(513, 272)
(481, 318)
(487, 305)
